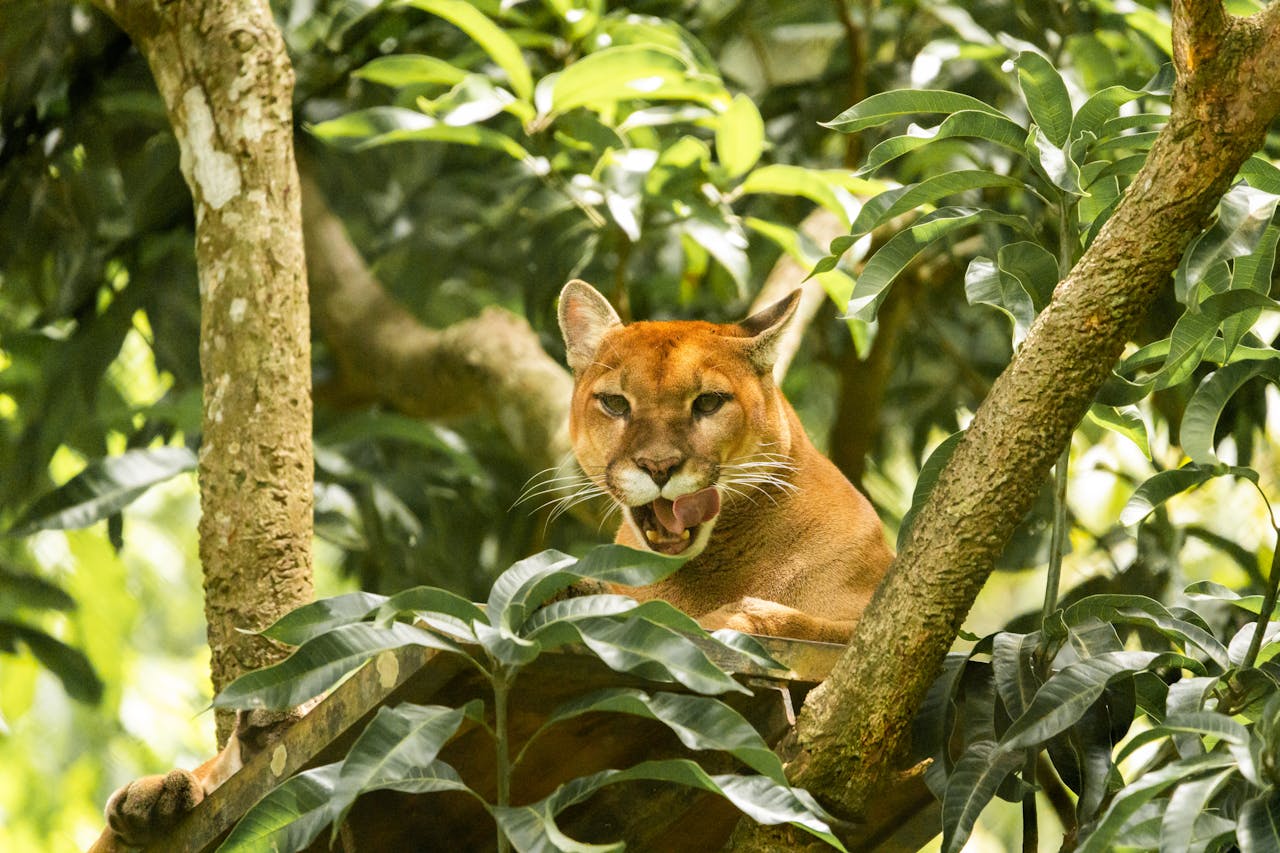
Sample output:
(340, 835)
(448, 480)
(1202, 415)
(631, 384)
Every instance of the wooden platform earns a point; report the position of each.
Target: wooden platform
(647, 816)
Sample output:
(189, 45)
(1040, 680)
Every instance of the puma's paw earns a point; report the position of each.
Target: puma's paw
(748, 615)
(147, 807)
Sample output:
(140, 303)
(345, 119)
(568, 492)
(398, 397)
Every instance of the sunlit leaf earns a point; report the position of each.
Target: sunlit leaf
(1124, 420)
(1243, 215)
(893, 202)
(491, 38)
(103, 488)
(385, 125)
(1098, 108)
(996, 129)
(631, 72)
(739, 136)
(406, 69)
(1188, 802)
(1200, 420)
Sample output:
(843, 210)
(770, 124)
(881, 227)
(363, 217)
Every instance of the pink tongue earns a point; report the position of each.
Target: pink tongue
(687, 510)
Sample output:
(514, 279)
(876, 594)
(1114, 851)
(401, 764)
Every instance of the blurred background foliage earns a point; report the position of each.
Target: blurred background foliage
(676, 208)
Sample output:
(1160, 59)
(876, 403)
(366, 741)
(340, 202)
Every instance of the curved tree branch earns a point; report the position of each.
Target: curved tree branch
(854, 728)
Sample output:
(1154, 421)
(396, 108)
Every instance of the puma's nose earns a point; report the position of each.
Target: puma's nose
(659, 469)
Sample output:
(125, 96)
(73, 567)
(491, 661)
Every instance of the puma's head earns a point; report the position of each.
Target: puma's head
(671, 418)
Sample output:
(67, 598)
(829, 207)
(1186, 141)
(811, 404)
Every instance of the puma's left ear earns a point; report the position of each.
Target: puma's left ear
(766, 328)
(585, 317)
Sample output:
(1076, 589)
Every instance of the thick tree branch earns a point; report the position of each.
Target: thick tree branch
(854, 728)
(227, 85)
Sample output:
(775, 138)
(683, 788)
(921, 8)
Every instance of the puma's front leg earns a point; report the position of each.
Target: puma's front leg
(760, 616)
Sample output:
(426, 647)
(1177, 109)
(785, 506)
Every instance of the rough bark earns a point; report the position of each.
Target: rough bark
(854, 727)
(227, 85)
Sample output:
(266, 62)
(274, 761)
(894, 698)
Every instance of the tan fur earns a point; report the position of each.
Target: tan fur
(797, 557)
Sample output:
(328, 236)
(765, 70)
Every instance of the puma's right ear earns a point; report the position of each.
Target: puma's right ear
(585, 317)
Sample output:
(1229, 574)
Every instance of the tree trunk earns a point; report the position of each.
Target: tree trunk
(854, 728)
(227, 85)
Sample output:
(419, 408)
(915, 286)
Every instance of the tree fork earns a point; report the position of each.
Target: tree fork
(227, 85)
(854, 728)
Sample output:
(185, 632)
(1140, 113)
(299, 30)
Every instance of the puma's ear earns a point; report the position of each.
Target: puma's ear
(585, 316)
(766, 328)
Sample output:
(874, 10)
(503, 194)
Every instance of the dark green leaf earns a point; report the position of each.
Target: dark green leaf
(1243, 214)
(103, 488)
(891, 203)
(883, 107)
(70, 665)
(20, 589)
(1196, 329)
(1046, 96)
(1200, 420)
(320, 662)
(289, 817)
(700, 722)
(440, 609)
(996, 129)
(310, 620)
(1258, 827)
(976, 778)
(1187, 803)
(1100, 107)
(1013, 664)
(928, 478)
(1148, 613)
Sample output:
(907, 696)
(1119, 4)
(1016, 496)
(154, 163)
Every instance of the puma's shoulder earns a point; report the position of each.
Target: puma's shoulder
(682, 425)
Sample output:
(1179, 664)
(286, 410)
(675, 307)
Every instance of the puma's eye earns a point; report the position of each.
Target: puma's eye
(614, 404)
(709, 404)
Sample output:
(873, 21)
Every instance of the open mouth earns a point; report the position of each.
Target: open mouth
(670, 527)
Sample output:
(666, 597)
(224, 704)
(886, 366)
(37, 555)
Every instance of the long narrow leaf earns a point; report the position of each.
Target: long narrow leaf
(1148, 613)
(1046, 95)
(311, 620)
(976, 778)
(1258, 827)
(289, 817)
(898, 200)
(972, 124)
(1200, 420)
(502, 49)
(883, 107)
(1186, 804)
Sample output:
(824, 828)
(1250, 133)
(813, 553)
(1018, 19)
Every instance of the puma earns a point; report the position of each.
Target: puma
(681, 425)
(137, 813)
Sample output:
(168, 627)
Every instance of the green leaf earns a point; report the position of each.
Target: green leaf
(532, 828)
(1200, 420)
(573, 609)
(19, 589)
(1258, 827)
(289, 817)
(1261, 173)
(311, 620)
(719, 232)
(1242, 216)
(985, 284)
(440, 609)
(70, 665)
(1196, 329)
(996, 129)
(1098, 108)
(320, 662)
(1143, 790)
(1068, 693)
(1251, 272)
(898, 200)
(700, 722)
(1046, 96)
(739, 136)
(626, 566)
(1012, 665)
(398, 750)
(1123, 420)
(501, 48)
(405, 69)
(626, 73)
(925, 482)
(1148, 613)
(1053, 163)
(103, 488)
(1215, 592)
(833, 189)
(894, 256)
(884, 107)
(976, 778)
(385, 125)
(1187, 803)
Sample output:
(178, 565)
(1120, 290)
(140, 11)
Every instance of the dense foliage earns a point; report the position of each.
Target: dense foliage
(668, 152)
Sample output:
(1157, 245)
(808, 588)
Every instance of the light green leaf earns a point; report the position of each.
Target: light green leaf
(925, 482)
(739, 136)
(532, 828)
(1160, 487)
(1046, 96)
(833, 189)
(700, 722)
(310, 620)
(1215, 592)
(1261, 173)
(103, 488)
(997, 129)
(501, 48)
(882, 108)
(1123, 420)
(894, 256)
(627, 73)
(407, 69)
(1098, 108)
(386, 125)
(1251, 272)
(898, 200)
(1198, 327)
(1200, 419)
(320, 662)
(1054, 164)
(974, 781)
(289, 817)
